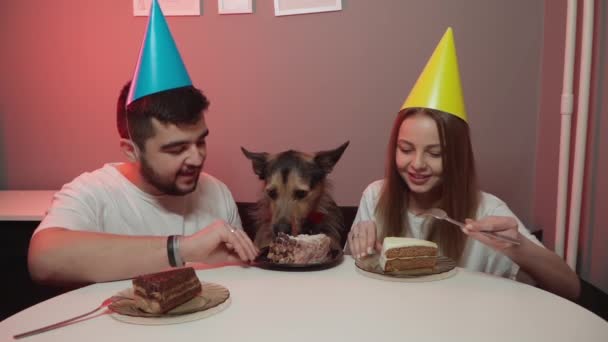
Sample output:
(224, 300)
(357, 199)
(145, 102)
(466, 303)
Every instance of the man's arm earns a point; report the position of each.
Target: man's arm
(58, 255)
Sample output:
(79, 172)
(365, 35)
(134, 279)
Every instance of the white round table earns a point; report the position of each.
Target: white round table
(337, 304)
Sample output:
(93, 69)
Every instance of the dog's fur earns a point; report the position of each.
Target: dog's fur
(296, 197)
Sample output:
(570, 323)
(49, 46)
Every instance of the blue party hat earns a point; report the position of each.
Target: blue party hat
(160, 66)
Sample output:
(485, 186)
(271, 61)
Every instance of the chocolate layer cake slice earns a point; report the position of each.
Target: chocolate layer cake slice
(163, 291)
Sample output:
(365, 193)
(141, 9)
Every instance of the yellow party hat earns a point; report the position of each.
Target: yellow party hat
(438, 87)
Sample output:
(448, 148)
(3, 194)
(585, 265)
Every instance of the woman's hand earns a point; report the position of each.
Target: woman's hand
(218, 242)
(545, 267)
(501, 225)
(362, 239)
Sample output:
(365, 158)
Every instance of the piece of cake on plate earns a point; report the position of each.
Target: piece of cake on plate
(299, 250)
(401, 254)
(163, 291)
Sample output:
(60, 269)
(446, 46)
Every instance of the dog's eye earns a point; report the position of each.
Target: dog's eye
(300, 194)
(272, 193)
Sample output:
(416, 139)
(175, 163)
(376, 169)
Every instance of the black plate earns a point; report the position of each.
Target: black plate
(262, 261)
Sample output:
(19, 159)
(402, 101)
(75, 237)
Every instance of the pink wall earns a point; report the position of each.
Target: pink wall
(549, 120)
(308, 82)
(593, 254)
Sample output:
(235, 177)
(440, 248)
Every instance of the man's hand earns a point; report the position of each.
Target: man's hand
(219, 242)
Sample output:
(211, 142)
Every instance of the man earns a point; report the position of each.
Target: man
(156, 210)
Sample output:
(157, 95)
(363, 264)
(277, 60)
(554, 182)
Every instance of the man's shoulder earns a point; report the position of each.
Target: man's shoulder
(212, 193)
(105, 177)
(208, 183)
(77, 205)
(206, 178)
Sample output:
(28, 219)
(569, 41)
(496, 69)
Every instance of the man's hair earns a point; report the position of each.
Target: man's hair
(179, 106)
(121, 111)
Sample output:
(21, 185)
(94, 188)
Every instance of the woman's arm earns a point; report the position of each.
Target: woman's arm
(545, 267)
(361, 239)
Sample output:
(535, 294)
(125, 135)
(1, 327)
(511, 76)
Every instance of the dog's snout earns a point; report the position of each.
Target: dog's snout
(282, 228)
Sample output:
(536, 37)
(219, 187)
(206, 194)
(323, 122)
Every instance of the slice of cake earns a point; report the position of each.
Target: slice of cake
(400, 254)
(163, 291)
(300, 250)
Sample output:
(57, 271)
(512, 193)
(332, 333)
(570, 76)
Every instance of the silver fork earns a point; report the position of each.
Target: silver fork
(66, 322)
(440, 214)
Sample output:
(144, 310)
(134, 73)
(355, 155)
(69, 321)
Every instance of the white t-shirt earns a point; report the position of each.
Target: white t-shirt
(476, 256)
(105, 201)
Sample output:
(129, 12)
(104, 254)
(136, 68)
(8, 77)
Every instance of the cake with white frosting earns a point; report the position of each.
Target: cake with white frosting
(300, 250)
(401, 254)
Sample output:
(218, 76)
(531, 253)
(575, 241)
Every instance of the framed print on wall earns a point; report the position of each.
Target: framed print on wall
(141, 8)
(234, 6)
(290, 7)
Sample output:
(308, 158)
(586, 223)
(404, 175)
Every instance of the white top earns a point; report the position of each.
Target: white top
(337, 304)
(24, 205)
(476, 256)
(105, 201)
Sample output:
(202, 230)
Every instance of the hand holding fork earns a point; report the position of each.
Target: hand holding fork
(486, 230)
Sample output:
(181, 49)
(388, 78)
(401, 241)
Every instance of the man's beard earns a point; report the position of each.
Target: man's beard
(155, 180)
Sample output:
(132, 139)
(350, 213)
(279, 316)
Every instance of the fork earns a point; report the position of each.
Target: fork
(440, 214)
(63, 323)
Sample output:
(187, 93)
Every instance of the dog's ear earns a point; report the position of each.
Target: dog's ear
(327, 159)
(258, 161)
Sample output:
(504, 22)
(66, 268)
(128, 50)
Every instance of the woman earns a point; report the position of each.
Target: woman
(430, 164)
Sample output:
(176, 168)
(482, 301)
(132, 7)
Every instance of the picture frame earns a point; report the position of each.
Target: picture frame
(234, 6)
(291, 7)
(141, 8)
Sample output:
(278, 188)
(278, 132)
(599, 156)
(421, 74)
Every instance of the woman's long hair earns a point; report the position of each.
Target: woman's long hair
(459, 193)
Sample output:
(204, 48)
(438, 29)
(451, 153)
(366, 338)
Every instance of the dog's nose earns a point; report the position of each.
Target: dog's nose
(282, 228)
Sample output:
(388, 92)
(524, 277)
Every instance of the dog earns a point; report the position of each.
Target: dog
(296, 195)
